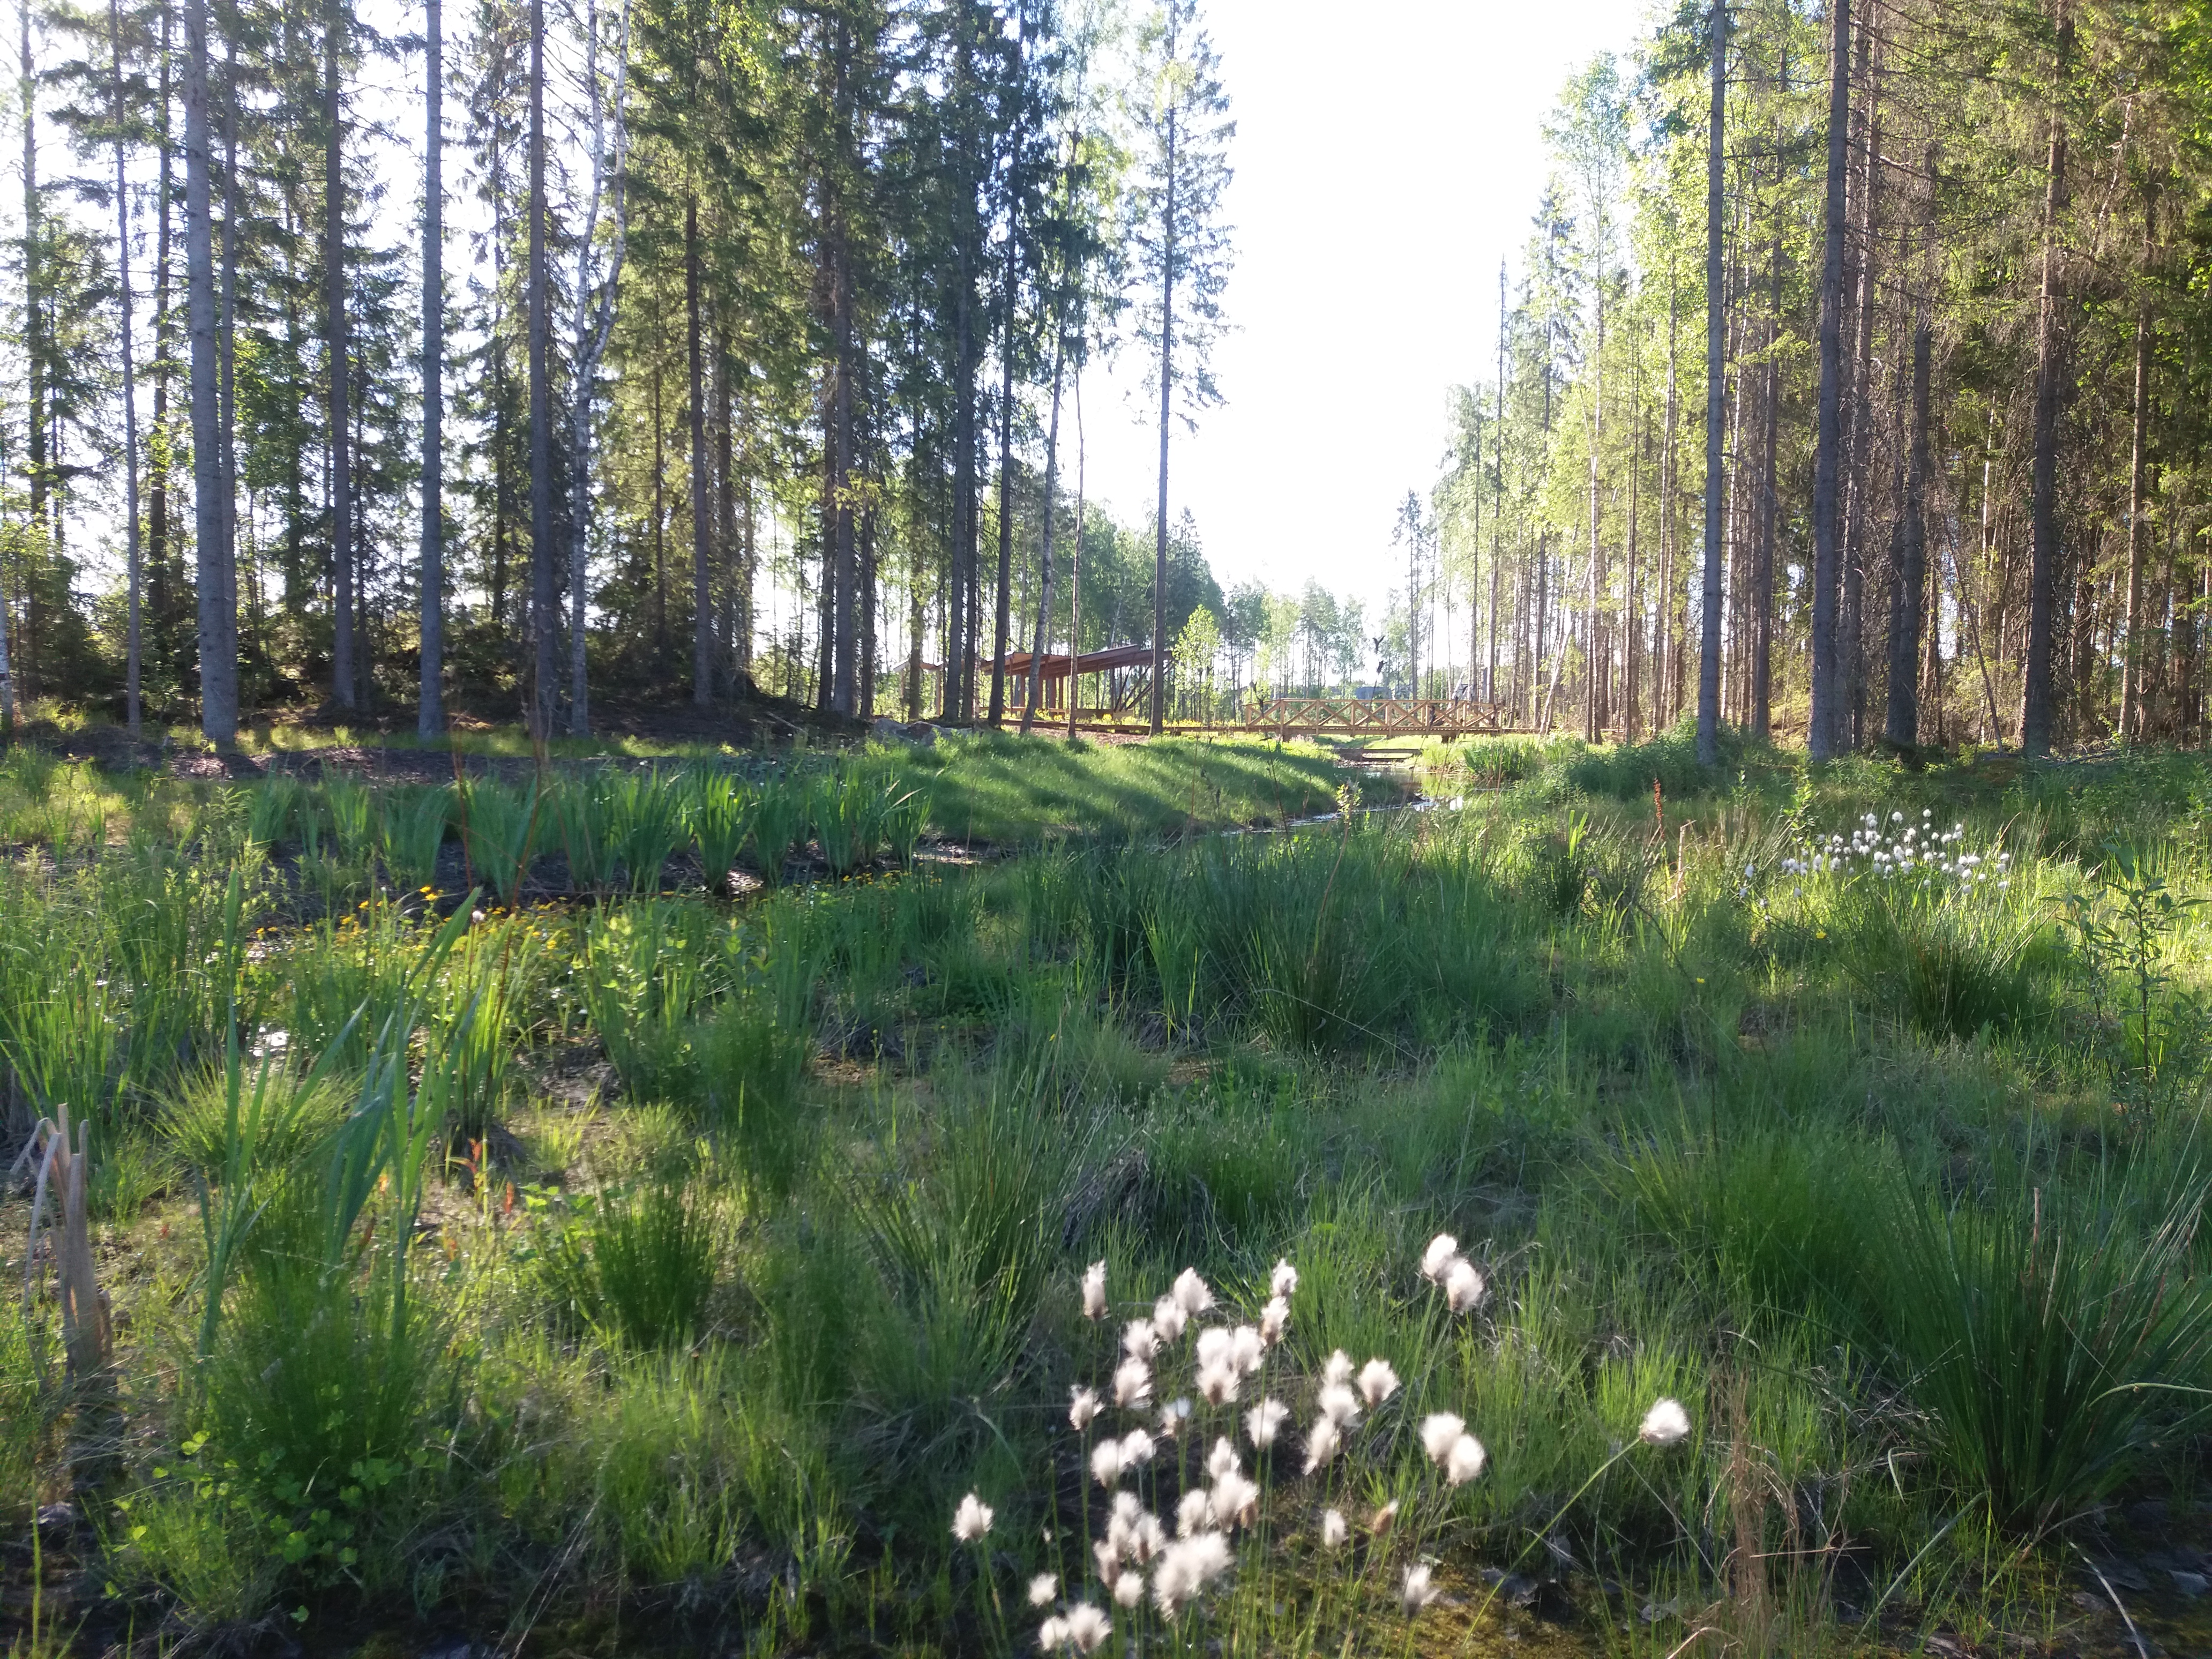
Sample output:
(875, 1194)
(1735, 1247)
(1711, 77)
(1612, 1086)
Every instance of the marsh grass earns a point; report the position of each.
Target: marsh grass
(737, 1337)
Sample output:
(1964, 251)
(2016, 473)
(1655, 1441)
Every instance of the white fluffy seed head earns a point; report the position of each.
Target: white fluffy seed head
(1248, 1349)
(1337, 1369)
(1284, 1280)
(1275, 1320)
(1191, 1291)
(1106, 1462)
(1443, 1249)
(1212, 1345)
(1380, 1521)
(1129, 1590)
(1052, 1635)
(1463, 1286)
(1378, 1382)
(1139, 1339)
(1136, 1449)
(1323, 1442)
(1338, 1405)
(1465, 1461)
(1334, 1532)
(1042, 1588)
(1133, 1382)
(1418, 1590)
(1235, 1500)
(1438, 1431)
(1665, 1424)
(1264, 1421)
(1087, 1629)
(1193, 1512)
(1168, 1319)
(972, 1519)
(1094, 1290)
(1222, 1458)
(1082, 1406)
(1173, 1416)
(1217, 1382)
(1187, 1567)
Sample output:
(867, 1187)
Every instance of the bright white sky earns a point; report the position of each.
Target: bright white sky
(1385, 160)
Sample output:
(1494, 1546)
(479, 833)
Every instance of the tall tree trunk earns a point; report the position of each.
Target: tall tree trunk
(1760, 680)
(218, 661)
(1497, 493)
(429, 706)
(1167, 394)
(339, 485)
(2036, 708)
(1044, 556)
(702, 615)
(1594, 711)
(1708, 662)
(1850, 648)
(1909, 581)
(160, 596)
(544, 616)
(1824, 729)
(1001, 618)
(1075, 567)
(227, 330)
(2131, 686)
(132, 647)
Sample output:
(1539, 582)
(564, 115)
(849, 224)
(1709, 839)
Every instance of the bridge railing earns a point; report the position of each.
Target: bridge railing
(1376, 716)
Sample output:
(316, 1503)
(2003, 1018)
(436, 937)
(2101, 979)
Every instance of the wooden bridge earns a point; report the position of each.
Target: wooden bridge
(1376, 717)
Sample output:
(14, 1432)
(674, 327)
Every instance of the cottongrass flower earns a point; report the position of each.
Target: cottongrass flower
(1094, 1290)
(1129, 1590)
(1338, 1405)
(1379, 1522)
(1437, 1260)
(1106, 1462)
(1193, 1512)
(1248, 1349)
(1222, 1459)
(1187, 1567)
(971, 1520)
(1465, 1460)
(1133, 1531)
(1191, 1292)
(1217, 1382)
(1665, 1424)
(1212, 1345)
(1334, 1532)
(1463, 1286)
(1136, 1449)
(1235, 1500)
(1337, 1369)
(1133, 1382)
(1438, 1431)
(1284, 1280)
(1275, 1320)
(1052, 1635)
(1139, 1339)
(1378, 1382)
(1168, 1319)
(1042, 1588)
(1323, 1442)
(1087, 1628)
(1173, 1416)
(1264, 1421)
(1082, 1406)
(1418, 1590)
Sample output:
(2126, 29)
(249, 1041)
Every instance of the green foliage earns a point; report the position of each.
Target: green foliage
(781, 824)
(718, 811)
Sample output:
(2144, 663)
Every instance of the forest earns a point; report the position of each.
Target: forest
(570, 1085)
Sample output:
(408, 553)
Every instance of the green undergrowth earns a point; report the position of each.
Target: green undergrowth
(646, 1248)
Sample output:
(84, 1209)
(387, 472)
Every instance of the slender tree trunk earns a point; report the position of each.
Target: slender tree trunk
(2036, 709)
(1000, 617)
(131, 557)
(1709, 664)
(1044, 555)
(1909, 582)
(1851, 699)
(1760, 680)
(227, 330)
(429, 709)
(543, 614)
(1824, 728)
(338, 488)
(1075, 568)
(1167, 396)
(218, 670)
(864, 645)
(2131, 688)
(702, 615)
